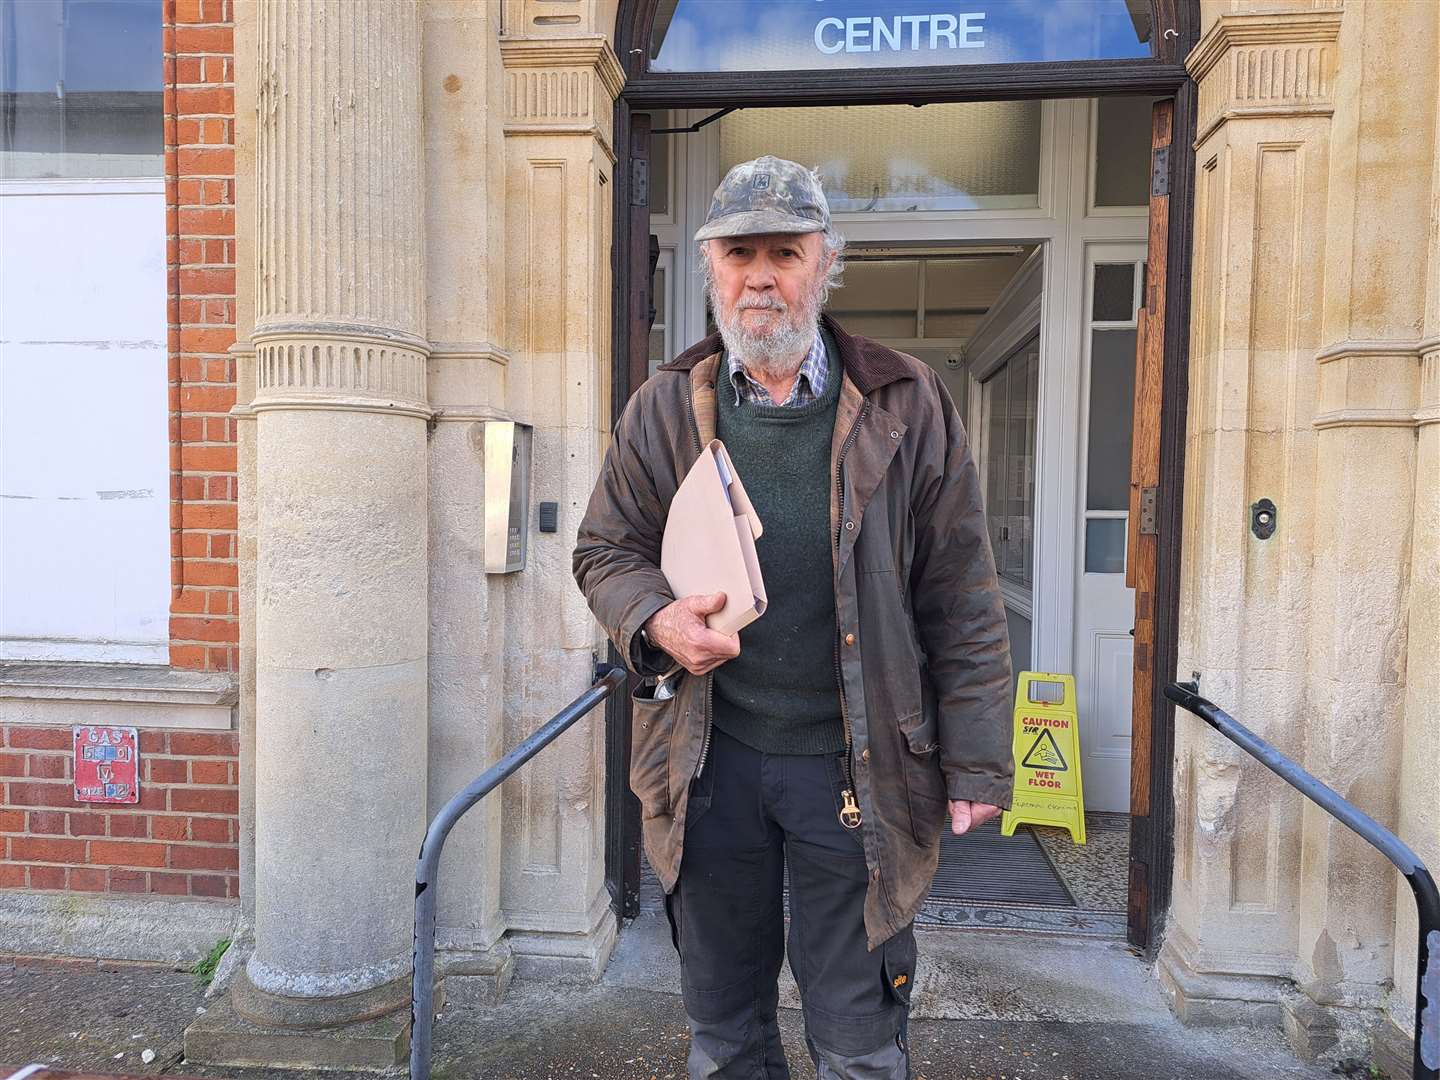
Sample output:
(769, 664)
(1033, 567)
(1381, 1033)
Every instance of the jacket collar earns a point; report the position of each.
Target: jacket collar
(869, 364)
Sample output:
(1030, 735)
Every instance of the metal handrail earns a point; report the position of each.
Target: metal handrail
(1427, 898)
(422, 988)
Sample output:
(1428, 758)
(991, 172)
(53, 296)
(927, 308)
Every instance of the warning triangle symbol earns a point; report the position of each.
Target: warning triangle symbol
(1045, 754)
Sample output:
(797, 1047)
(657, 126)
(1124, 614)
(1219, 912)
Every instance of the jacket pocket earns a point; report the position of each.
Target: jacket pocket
(924, 782)
(652, 723)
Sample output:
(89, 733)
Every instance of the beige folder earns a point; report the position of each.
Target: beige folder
(709, 541)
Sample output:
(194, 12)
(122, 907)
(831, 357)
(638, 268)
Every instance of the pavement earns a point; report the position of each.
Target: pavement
(987, 1007)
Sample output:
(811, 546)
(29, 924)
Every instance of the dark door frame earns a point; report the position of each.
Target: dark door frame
(1176, 30)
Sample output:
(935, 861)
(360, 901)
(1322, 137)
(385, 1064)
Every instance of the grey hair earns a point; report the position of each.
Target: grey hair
(833, 244)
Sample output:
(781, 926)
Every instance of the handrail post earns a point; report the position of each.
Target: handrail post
(427, 870)
(1422, 884)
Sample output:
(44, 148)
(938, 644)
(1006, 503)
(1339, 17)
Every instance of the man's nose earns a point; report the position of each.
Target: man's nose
(760, 279)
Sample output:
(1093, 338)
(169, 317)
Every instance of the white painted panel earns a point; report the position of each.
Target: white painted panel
(84, 454)
(83, 267)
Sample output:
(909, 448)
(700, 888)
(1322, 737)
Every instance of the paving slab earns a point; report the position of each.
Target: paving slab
(631, 1026)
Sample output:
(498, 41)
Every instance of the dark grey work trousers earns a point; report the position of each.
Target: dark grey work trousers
(750, 815)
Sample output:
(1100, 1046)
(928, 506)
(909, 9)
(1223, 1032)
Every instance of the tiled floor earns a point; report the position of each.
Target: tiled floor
(1096, 872)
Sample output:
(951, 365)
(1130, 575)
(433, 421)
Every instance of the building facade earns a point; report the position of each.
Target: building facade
(388, 226)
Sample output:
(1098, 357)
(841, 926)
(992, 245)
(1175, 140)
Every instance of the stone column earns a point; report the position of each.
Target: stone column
(464, 93)
(1305, 379)
(1373, 307)
(341, 496)
(560, 87)
(1266, 94)
(1419, 819)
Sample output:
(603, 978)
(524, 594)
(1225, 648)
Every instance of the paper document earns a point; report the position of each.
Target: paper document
(709, 541)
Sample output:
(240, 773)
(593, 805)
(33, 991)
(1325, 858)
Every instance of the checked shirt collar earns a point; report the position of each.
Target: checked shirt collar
(809, 383)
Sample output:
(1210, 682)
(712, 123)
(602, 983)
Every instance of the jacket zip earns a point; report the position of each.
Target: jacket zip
(850, 816)
(710, 678)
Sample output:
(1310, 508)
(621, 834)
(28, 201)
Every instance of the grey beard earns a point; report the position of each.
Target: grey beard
(778, 354)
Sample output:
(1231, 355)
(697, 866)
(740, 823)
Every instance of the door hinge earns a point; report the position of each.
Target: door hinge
(1160, 171)
(639, 182)
(1149, 497)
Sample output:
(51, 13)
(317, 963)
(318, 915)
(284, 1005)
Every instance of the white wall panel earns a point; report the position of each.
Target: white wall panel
(84, 455)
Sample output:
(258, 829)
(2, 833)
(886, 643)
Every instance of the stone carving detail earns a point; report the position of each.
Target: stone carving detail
(555, 85)
(339, 238)
(365, 369)
(1266, 65)
(538, 96)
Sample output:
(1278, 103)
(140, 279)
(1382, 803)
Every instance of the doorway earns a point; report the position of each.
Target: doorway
(997, 240)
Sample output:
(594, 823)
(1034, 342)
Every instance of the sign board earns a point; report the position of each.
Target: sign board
(107, 764)
(1048, 790)
(507, 495)
(800, 35)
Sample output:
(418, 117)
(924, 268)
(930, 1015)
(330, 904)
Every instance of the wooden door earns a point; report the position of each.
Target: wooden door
(1142, 569)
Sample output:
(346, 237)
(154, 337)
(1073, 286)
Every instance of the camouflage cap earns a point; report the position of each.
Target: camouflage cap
(767, 195)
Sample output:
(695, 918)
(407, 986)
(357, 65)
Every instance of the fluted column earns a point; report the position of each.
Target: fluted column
(341, 494)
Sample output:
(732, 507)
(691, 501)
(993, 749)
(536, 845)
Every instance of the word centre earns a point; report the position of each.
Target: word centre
(876, 33)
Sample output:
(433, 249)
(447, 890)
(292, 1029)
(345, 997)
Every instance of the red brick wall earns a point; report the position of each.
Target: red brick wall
(182, 839)
(200, 215)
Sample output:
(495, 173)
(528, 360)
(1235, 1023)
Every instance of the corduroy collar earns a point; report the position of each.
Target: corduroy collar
(869, 364)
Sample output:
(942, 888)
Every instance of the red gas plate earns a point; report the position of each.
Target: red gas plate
(107, 765)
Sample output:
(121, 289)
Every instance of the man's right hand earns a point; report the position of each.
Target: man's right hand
(680, 630)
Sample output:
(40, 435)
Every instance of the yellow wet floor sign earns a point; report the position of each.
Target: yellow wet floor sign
(1047, 756)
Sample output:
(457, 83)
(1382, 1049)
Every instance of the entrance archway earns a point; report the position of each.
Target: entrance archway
(840, 56)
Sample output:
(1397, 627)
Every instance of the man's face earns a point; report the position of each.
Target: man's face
(765, 291)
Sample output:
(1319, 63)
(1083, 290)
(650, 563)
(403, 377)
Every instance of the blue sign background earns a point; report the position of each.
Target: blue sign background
(788, 35)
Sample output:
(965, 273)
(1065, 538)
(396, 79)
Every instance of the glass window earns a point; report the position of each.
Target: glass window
(1122, 151)
(882, 295)
(1112, 409)
(81, 88)
(1008, 407)
(880, 299)
(877, 158)
(789, 35)
(659, 337)
(1105, 546)
(1110, 418)
(1114, 298)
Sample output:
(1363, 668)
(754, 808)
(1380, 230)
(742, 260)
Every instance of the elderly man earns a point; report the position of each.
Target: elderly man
(837, 733)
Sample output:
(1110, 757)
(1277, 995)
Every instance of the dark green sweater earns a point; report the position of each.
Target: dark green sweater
(780, 695)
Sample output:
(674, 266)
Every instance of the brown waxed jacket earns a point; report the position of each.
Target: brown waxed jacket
(925, 678)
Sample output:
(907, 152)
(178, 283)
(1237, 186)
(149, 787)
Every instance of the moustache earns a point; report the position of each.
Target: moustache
(762, 303)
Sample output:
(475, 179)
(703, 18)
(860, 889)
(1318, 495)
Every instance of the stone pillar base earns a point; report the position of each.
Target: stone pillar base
(223, 1037)
(1393, 1049)
(476, 976)
(1331, 1033)
(564, 957)
(1209, 999)
(1316, 1032)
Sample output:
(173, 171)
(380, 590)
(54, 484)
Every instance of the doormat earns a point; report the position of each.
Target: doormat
(991, 882)
(987, 867)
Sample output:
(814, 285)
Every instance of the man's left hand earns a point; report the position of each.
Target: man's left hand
(966, 815)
